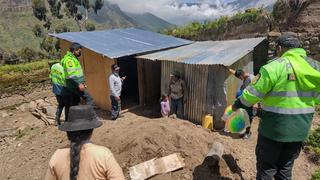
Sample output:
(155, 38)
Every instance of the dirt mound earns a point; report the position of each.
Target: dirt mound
(134, 139)
(139, 140)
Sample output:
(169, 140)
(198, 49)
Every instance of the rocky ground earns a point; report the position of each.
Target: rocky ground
(26, 145)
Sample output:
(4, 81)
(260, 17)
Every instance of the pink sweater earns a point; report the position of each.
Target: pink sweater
(165, 108)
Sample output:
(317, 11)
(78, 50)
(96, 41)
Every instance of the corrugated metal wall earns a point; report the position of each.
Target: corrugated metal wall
(210, 88)
(195, 77)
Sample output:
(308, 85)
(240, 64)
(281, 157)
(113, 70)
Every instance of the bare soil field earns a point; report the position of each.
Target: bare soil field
(26, 146)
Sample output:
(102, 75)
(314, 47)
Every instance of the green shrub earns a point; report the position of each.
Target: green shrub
(90, 27)
(217, 27)
(313, 145)
(314, 139)
(23, 76)
(27, 54)
(316, 175)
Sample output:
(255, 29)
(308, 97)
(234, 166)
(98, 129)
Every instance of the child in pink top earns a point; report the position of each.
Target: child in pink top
(165, 106)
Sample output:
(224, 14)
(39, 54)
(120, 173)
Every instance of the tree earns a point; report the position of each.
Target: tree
(49, 44)
(75, 9)
(28, 54)
(60, 28)
(90, 27)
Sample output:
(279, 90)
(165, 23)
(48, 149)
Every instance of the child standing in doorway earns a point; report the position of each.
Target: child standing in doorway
(165, 106)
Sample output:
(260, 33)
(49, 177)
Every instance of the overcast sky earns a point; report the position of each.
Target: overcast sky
(173, 10)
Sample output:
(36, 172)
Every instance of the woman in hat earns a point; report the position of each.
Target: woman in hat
(83, 160)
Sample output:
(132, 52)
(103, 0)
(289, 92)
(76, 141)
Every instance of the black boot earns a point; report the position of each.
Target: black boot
(58, 115)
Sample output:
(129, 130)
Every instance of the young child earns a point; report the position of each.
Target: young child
(165, 106)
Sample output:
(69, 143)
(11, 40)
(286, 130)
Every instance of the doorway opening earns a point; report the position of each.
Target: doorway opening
(130, 88)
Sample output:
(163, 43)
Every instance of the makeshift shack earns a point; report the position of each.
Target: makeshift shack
(210, 86)
(104, 48)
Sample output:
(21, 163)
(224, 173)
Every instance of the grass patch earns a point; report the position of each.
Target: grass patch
(27, 131)
(316, 175)
(23, 76)
(313, 145)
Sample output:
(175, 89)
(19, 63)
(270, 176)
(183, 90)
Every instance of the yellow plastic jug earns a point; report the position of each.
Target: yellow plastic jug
(207, 121)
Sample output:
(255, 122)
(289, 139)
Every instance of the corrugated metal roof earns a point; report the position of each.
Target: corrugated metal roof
(208, 52)
(118, 43)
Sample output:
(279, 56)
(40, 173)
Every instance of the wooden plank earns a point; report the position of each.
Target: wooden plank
(155, 166)
(130, 109)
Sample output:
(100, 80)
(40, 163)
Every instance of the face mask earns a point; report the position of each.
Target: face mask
(79, 54)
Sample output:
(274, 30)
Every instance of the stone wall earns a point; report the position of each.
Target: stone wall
(310, 42)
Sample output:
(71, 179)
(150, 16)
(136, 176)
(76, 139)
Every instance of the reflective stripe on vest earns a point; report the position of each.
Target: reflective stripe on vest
(74, 76)
(255, 92)
(244, 102)
(293, 94)
(57, 74)
(73, 69)
(289, 110)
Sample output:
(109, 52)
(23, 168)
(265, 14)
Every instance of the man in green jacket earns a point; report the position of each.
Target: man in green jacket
(288, 88)
(75, 82)
(58, 88)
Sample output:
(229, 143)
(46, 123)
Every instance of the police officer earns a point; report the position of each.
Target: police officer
(75, 83)
(288, 89)
(58, 87)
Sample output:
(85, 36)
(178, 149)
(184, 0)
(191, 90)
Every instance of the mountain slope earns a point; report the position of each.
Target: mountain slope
(16, 27)
(112, 16)
(149, 21)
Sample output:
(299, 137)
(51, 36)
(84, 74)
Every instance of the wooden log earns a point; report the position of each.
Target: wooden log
(130, 109)
(215, 154)
(43, 117)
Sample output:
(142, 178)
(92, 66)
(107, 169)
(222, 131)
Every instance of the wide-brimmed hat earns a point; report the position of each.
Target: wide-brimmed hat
(81, 118)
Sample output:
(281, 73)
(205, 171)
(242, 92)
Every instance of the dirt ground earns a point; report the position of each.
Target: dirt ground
(26, 146)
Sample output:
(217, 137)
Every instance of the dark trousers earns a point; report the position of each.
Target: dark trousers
(73, 97)
(116, 108)
(61, 104)
(176, 106)
(276, 159)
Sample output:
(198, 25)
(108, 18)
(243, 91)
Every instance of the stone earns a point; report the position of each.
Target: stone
(314, 40)
(186, 176)
(274, 34)
(315, 49)
(41, 103)
(32, 106)
(11, 114)
(317, 57)
(306, 43)
(22, 107)
(49, 110)
(4, 114)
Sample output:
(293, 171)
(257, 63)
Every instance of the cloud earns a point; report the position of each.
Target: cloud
(176, 11)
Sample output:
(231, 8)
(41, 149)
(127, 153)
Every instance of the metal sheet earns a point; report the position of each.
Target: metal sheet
(210, 88)
(195, 77)
(122, 42)
(208, 52)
